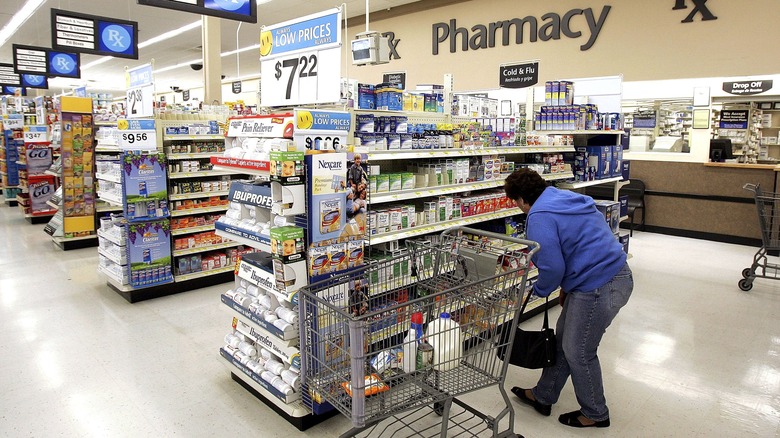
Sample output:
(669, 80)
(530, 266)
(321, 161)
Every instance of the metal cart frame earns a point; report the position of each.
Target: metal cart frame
(354, 327)
(768, 207)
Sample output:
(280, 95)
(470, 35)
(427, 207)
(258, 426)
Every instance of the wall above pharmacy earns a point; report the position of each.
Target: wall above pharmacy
(641, 40)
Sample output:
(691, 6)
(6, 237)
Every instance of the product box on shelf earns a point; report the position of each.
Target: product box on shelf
(287, 243)
(611, 212)
(144, 185)
(328, 197)
(626, 170)
(623, 200)
(624, 240)
(616, 167)
(41, 188)
(149, 253)
(259, 268)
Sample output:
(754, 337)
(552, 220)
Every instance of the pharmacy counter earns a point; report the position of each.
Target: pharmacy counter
(703, 200)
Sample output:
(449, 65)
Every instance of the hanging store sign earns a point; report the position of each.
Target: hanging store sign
(35, 81)
(8, 76)
(747, 88)
(185, 95)
(552, 26)
(139, 98)
(236, 86)
(301, 60)
(43, 61)
(239, 10)
(83, 33)
(734, 119)
(398, 78)
(518, 75)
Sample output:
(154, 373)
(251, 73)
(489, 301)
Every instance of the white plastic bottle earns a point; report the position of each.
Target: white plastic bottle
(409, 362)
(445, 337)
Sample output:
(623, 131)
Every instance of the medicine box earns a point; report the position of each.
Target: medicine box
(611, 212)
(623, 238)
(623, 205)
(599, 158)
(626, 173)
(617, 161)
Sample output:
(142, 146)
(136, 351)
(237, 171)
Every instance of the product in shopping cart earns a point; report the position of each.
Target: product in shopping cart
(373, 385)
(385, 360)
(445, 337)
(412, 339)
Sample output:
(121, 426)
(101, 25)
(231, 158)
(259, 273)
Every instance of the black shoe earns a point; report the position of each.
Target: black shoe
(572, 419)
(540, 408)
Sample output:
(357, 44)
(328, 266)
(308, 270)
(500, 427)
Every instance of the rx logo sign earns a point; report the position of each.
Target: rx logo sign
(699, 7)
(116, 38)
(63, 64)
(393, 43)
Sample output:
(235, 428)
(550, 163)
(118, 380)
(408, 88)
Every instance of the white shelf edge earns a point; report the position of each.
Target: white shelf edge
(109, 178)
(201, 274)
(192, 155)
(384, 197)
(172, 137)
(400, 154)
(439, 226)
(110, 199)
(190, 230)
(182, 175)
(197, 195)
(188, 251)
(577, 132)
(175, 213)
(265, 247)
(581, 184)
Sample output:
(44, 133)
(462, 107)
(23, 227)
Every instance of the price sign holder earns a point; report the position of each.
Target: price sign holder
(137, 135)
(139, 99)
(300, 71)
(36, 134)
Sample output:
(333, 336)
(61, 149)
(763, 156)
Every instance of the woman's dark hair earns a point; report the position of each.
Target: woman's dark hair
(524, 183)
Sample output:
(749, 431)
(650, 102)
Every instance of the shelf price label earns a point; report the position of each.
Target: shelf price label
(137, 135)
(36, 134)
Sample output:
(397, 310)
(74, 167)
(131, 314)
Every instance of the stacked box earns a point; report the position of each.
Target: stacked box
(611, 212)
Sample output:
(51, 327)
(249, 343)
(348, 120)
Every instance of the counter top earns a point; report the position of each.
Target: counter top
(774, 167)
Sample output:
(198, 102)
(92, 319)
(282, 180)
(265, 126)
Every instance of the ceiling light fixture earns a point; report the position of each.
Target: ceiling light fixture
(18, 19)
(170, 34)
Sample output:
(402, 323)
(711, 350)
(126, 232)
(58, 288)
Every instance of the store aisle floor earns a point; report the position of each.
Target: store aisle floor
(691, 355)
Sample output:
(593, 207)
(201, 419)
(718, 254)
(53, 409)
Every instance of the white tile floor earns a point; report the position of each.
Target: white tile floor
(691, 355)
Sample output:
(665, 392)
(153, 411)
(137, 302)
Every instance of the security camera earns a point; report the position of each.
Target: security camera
(196, 67)
(175, 89)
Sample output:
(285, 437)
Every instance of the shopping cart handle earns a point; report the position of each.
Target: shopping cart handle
(751, 187)
(533, 247)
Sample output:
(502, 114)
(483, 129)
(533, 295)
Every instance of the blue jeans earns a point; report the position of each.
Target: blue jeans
(583, 321)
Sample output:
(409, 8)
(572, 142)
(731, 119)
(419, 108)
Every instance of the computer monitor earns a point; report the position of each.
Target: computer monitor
(721, 149)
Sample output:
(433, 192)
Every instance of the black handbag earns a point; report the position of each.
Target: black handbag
(530, 349)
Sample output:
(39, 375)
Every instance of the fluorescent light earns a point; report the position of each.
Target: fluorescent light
(241, 50)
(170, 34)
(98, 61)
(179, 65)
(18, 19)
(262, 2)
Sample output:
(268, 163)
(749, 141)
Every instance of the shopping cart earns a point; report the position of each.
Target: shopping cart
(353, 351)
(768, 206)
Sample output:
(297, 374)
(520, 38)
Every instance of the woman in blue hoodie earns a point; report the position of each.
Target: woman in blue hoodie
(579, 254)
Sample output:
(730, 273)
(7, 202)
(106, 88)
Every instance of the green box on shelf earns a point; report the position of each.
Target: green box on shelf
(287, 243)
(395, 182)
(407, 181)
(287, 167)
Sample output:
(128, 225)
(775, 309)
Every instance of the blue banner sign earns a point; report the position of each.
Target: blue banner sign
(319, 31)
(35, 81)
(239, 10)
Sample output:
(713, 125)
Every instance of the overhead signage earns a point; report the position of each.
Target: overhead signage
(8, 76)
(734, 119)
(80, 91)
(518, 75)
(35, 81)
(139, 98)
(83, 33)
(43, 61)
(314, 31)
(12, 91)
(398, 78)
(185, 95)
(645, 121)
(139, 76)
(236, 87)
(747, 88)
(301, 61)
(552, 26)
(239, 10)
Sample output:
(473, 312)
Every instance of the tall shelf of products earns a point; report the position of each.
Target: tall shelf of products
(34, 160)
(12, 137)
(267, 213)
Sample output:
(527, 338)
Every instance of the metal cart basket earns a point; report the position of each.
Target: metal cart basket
(358, 353)
(768, 206)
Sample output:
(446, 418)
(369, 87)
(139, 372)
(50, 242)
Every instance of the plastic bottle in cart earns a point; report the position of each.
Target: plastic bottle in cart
(445, 337)
(411, 340)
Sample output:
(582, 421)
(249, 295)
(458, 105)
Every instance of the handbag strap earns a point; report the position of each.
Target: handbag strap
(546, 323)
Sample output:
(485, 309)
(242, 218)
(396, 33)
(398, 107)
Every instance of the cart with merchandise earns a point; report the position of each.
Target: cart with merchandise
(768, 206)
(393, 343)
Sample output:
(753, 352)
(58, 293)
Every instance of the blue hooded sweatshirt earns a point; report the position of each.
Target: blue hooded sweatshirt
(578, 251)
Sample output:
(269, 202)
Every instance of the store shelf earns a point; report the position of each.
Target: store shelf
(115, 282)
(190, 211)
(197, 195)
(246, 238)
(233, 166)
(116, 258)
(582, 184)
(380, 198)
(286, 350)
(193, 155)
(108, 208)
(106, 123)
(257, 323)
(182, 252)
(201, 274)
(107, 148)
(174, 137)
(110, 199)
(581, 132)
(190, 230)
(405, 154)
(557, 176)
(290, 406)
(214, 172)
(115, 237)
(116, 179)
(440, 226)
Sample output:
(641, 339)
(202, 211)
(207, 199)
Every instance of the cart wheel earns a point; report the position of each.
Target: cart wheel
(745, 285)
(746, 272)
(438, 408)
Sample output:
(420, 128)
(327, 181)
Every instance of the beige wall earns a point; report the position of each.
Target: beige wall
(643, 40)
